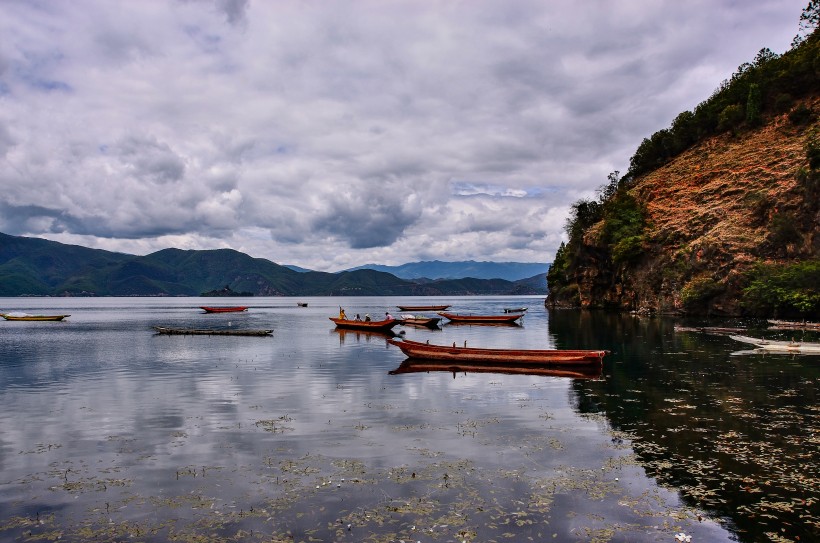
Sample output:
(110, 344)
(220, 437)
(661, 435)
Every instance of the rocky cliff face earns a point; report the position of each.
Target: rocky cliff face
(712, 213)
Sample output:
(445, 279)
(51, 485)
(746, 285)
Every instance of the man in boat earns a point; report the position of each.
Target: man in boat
(358, 317)
(342, 313)
(367, 317)
(388, 316)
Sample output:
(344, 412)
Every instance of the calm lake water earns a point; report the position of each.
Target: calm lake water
(109, 432)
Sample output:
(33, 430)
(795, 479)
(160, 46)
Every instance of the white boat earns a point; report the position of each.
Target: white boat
(780, 346)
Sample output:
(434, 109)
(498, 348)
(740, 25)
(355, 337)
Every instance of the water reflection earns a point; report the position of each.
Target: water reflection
(737, 434)
(110, 432)
(411, 365)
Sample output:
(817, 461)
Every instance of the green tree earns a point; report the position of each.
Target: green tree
(753, 104)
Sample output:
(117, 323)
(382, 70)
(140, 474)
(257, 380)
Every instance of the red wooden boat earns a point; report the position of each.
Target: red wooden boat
(423, 307)
(509, 357)
(352, 324)
(234, 309)
(415, 320)
(482, 319)
(411, 365)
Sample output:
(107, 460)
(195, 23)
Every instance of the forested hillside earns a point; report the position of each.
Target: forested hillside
(718, 214)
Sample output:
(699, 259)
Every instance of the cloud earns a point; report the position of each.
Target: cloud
(332, 134)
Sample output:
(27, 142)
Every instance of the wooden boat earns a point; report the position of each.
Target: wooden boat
(352, 324)
(411, 365)
(423, 307)
(509, 357)
(781, 346)
(792, 325)
(210, 332)
(482, 319)
(234, 309)
(26, 317)
(414, 320)
(301, 304)
(514, 309)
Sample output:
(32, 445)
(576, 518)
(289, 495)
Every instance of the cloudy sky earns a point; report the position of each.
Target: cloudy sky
(333, 134)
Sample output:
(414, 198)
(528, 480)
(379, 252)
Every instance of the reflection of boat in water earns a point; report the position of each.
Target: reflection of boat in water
(415, 320)
(27, 317)
(507, 357)
(352, 324)
(423, 307)
(209, 332)
(234, 309)
(412, 365)
(780, 346)
(481, 319)
(345, 333)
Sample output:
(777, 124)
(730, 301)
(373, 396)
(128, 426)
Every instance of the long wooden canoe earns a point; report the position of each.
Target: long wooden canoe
(509, 357)
(410, 365)
(781, 346)
(352, 324)
(211, 332)
(423, 307)
(235, 309)
(514, 309)
(12, 317)
(414, 320)
(793, 325)
(482, 319)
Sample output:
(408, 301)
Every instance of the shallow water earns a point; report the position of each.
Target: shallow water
(109, 431)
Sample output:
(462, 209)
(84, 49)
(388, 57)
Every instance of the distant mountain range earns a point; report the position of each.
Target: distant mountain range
(436, 269)
(38, 267)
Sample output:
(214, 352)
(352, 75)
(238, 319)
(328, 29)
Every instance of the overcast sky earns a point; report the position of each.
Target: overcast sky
(334, 134)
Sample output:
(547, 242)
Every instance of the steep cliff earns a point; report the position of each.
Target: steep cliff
(710, 217)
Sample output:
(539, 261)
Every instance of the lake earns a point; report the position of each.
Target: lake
(110, 432)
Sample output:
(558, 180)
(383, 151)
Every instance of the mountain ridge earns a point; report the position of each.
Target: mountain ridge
(37, 267)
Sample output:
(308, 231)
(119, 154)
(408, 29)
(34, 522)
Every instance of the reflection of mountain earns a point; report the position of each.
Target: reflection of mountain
(733, 434)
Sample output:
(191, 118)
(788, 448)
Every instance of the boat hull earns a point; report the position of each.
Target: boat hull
(36, 317)
(348, 324)
(237, 309)
(428, 322)
(780, 346)
(507, 357)
(423, 307)
(207, 332)
(481, 319)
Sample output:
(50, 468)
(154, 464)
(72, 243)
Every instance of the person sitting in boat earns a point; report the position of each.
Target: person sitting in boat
(358, 317)
(388, 316)
(367, 317)
(342, 313)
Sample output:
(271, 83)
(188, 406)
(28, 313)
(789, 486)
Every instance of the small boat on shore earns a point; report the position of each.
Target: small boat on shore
(27, 317)
(416, 320)
(507, 357)
(793, 325)
(210, 332)
(353, 324)
(514, 309)
(423, 307)
(234, 309)
(780, 346)
(482, 319)
(411, 365)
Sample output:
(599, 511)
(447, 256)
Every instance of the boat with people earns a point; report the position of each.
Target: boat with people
(423, 307)
(26, 317)
(509, 318)
(353, 324)
(211, 332)
(419, 320)
(232, 309)
(509, 357)
(411, 365)
(800, 347)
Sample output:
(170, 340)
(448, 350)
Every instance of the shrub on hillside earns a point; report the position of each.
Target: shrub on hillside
(791, 290)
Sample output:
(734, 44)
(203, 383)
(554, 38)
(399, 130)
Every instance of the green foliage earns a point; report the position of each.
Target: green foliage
(730, 117)
(697, 294)
(783, 229)
(801, 115)
(812, 147)
(783, 102)
(784, 290)
(753, 105)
